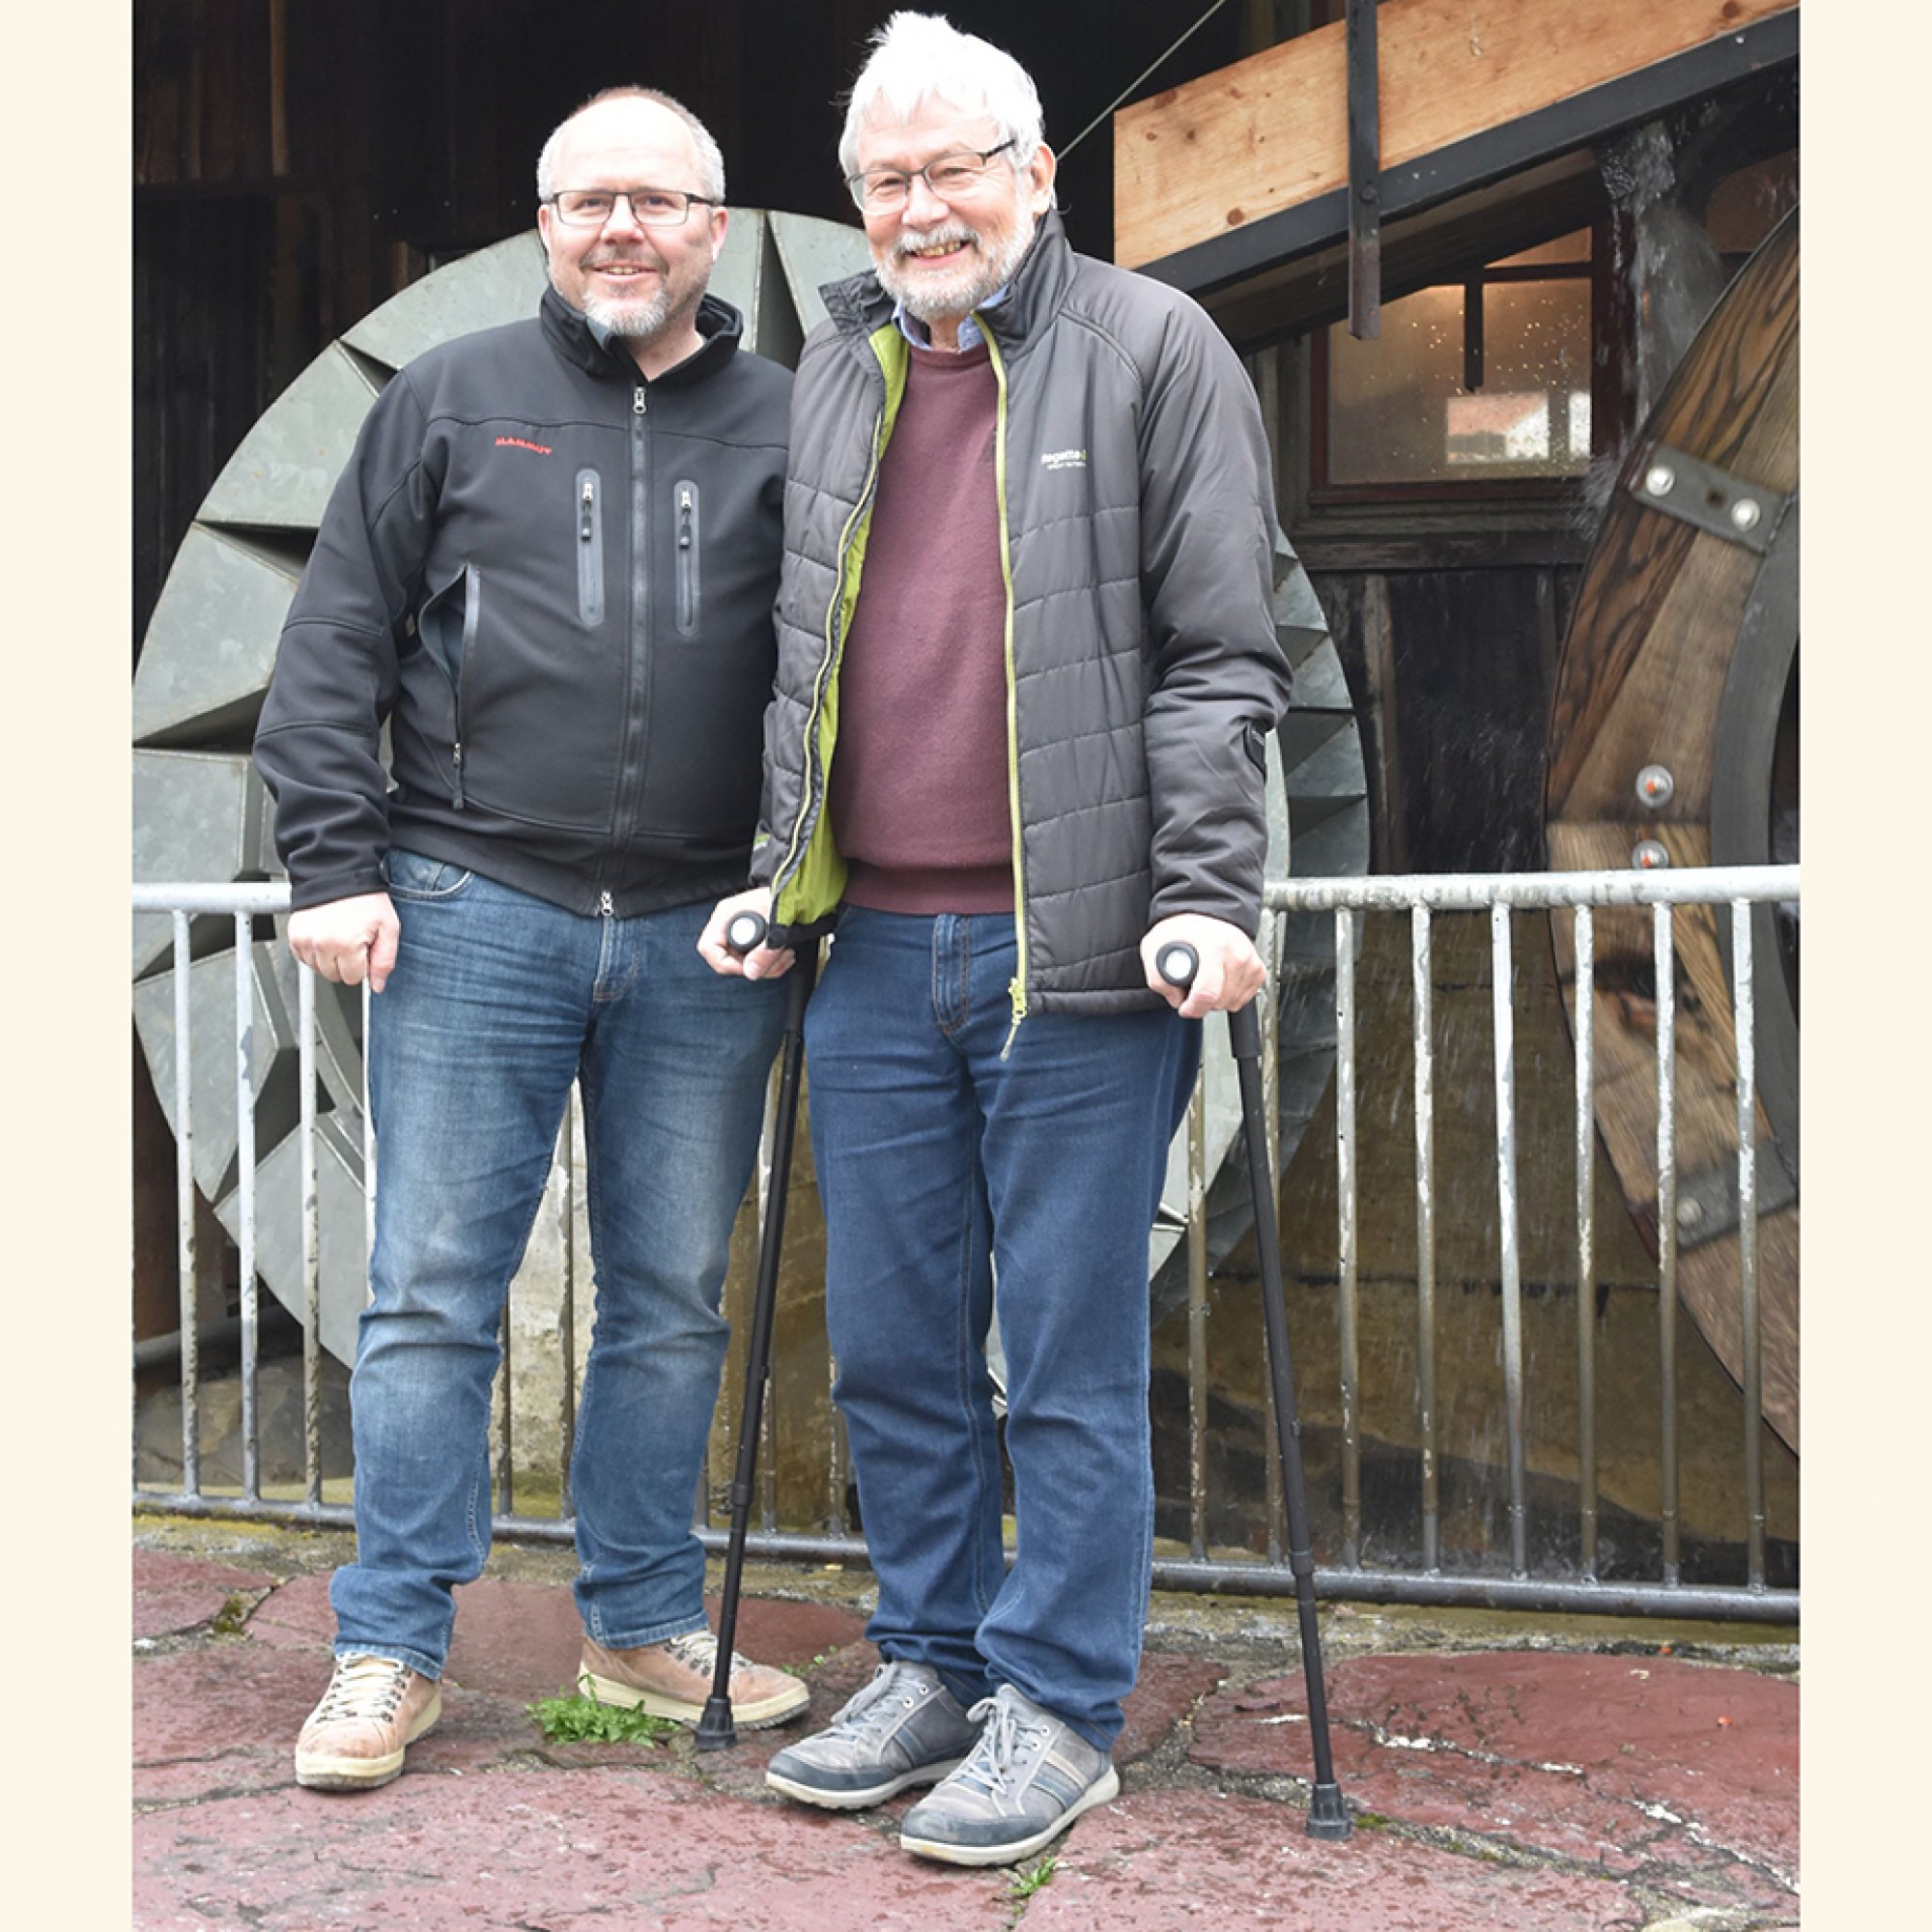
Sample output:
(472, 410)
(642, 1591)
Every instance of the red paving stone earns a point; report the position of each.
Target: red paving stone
(1552, 1791)
(173, 1593)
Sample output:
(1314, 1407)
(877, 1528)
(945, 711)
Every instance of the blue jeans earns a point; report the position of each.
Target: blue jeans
(496, 1002)
(941, 1163)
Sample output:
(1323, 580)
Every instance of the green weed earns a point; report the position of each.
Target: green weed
(572, 1718)
(1026, 1882)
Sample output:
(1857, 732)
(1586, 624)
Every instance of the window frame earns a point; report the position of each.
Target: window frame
(1610, 399)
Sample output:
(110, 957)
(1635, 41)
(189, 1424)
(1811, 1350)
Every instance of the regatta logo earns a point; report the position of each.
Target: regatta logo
(522, 442)
(1062, 459)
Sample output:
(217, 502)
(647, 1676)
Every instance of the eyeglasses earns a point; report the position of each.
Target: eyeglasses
(652, 206)
(881, 190)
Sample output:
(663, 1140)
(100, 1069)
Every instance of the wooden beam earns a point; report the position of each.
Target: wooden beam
(1270, 132)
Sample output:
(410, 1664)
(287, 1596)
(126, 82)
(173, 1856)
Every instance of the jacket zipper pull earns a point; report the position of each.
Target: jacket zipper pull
(684, 518)
(456, 792)
(638, 399)
(605, 906)
(586, 507)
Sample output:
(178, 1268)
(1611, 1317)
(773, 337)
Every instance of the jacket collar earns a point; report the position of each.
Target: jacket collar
(573, 338)
(860, 304)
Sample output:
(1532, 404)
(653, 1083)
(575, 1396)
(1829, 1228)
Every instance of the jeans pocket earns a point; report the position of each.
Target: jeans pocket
(413, 875)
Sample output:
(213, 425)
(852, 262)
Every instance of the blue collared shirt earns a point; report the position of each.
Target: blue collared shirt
(971, 334)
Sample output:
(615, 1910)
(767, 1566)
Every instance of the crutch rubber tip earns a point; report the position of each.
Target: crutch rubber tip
(1327, 1815)
(715, 1729)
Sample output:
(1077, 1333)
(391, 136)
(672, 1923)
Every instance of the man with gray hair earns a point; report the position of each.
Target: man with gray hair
(1027, 667)
(548, 568)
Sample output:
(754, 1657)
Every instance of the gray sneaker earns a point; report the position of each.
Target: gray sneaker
(905, 1727)
(1028, 1777)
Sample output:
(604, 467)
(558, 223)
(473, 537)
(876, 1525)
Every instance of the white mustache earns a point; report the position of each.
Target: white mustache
(955, 235)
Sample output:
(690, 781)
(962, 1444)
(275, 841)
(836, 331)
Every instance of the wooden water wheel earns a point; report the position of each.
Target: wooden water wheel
(1674, 736)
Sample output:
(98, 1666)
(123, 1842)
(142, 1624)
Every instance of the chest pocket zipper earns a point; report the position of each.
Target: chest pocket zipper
(589, 547)
(690, 578)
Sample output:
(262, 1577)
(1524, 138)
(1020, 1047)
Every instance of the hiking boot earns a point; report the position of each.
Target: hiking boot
(354, 1738)
(674, 1679)
(1028, 1777)
(905, 1727)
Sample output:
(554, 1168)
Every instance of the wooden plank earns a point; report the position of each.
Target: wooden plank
(1661, 599)
(1271, 130)
(1705, 1091)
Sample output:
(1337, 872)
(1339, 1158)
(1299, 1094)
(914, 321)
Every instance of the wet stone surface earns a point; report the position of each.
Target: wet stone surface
(1499, 1779)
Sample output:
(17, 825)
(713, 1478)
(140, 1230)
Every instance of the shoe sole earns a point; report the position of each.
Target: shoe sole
(873, 1794)
(751, 1716)
(1100, 1792)
(315, 1771)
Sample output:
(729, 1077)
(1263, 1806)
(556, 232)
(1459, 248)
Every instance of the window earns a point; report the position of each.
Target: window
(1486, 380)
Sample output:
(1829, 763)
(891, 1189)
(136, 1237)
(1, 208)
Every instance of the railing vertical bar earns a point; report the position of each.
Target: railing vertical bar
(1197, 1321)
(1422, 974)
(1502, 976)
(311, 1241)
(1345, 1187)
(189, 1261)
(1586, 1236)
(835, 1518)
(1666, 959)
(244, 1155)
(506, 1480)
(566, 1322)
(1744, 1004)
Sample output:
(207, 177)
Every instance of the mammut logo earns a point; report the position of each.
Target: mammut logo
(1062, 459)
(522, 442)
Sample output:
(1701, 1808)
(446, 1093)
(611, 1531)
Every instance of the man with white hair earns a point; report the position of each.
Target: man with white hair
(1027, 670)
(548, 566)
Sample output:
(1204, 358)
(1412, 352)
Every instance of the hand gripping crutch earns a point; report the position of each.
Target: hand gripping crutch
(715, 1729)
(1177, 964)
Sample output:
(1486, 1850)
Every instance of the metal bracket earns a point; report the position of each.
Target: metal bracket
(1706, 1201)
(1709, 499)
(1365, 142)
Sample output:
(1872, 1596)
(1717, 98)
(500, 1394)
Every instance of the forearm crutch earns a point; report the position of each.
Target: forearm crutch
(1177, 964)
(716, 1730)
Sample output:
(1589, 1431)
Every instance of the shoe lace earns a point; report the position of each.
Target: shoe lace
(1003, 1744)
(363, 1687)
(698, 1650)
(890, 1688)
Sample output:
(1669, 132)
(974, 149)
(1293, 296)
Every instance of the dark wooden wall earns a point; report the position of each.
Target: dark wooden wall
(295, 164)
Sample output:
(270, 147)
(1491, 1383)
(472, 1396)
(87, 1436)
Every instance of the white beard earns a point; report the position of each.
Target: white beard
(635, 319)
(961, 291)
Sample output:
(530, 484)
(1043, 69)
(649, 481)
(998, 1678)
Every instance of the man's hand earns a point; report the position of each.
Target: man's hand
(347, 940)
(1230, 972)
(761, 962)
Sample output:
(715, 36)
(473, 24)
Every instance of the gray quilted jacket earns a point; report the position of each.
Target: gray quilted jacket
(1143, 666)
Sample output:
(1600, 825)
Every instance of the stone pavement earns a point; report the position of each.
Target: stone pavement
(1553, 1775)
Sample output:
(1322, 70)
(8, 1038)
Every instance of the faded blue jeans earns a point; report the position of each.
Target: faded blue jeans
(944, 1156)
(497, 1002)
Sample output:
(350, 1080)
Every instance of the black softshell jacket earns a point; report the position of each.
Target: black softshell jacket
(554, 580)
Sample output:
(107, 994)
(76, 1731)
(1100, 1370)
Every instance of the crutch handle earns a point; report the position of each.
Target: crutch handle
(1178, 963)
(745, 930)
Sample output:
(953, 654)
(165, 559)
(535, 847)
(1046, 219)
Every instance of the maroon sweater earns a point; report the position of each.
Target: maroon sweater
(919, 780)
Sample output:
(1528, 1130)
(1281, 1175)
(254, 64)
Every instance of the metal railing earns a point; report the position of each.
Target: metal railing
(1429, 1579)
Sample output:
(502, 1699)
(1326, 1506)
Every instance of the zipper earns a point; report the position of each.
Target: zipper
(590, 550)
(1016, 991)
(689, 585)
(473, 604)
(637, 727)
(605, 906)
(822, 679)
